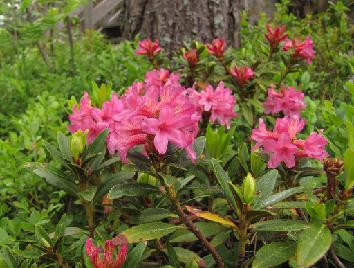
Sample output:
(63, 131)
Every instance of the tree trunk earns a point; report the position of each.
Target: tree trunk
(177, 21)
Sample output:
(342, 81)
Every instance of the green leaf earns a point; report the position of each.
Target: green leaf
(224, 181)
(131, 189)
(349, 168)
(274, 254)
(257, 214)
(185, 255)
(198, 146)
(265, 186)
(88, 194)
(257, 164)
(207, 228)
(42, 236)
(172, 256)
(64, 146)
(290, 204)
(313, 243)
(149, 231)
(57, 181)
(350, 129)
(134, 255)
(115, 179)
(99, 144)
(243, 156)
(280, 226)
(153, 214)
(53, 151)
(268, 201)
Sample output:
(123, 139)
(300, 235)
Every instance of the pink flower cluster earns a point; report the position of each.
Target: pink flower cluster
(155, 111)
(288, 101)
(283, 146)
(219, 102)
(242, 74)
(301, 50)
(107, 259)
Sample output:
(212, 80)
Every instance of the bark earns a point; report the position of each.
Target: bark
(179, 21)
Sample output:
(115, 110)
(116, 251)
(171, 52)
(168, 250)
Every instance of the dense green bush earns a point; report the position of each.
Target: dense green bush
(253, 216)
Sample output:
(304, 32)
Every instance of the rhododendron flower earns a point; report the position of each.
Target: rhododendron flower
(302, 50)
(108, 258)
(191, 56)
(148, 48)
(275, 36)
(220, 102)
(242, 74)
(157, 107)
(217, 48)
(283, 146)
(288, 101)
(84, 118)
(314, 146)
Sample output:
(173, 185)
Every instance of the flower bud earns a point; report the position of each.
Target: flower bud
(78, 143)
(248, 188)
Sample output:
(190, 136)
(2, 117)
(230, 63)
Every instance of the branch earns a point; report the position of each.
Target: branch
(187, 221)
(334, 257)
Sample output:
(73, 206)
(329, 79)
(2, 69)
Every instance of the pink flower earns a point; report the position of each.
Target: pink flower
(242, 74)
(191, 57)
(148, 48)
(263, 137)
(283, 151)
(167, 128)
(84, 118)
(301, 50)
(314, 146)
(109, 259)
(282, 145)
(276, 36)
(217, 48)
(220, 102)
(291, 126)
(288, 101)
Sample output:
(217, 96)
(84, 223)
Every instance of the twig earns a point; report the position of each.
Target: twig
(334, 257)
(194, 228)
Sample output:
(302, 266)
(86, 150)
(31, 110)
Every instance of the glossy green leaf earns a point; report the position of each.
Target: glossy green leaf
(172, 256)
(274, 254)
(42, 236)
(134, 255)
(349, 168)
(115, 179)
(57, 181)
(224, 181)
(64, 146)
(268, 201)
(153, 214)
(131, 189)
(149, 231)
(265, 186)
(89, 193)
(313, 243)
(280, 226)
(99, 144)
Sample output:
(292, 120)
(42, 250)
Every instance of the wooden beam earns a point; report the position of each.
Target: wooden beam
(88, 15)
(103, 8)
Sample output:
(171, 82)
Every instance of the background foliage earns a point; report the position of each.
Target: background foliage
(41, 70)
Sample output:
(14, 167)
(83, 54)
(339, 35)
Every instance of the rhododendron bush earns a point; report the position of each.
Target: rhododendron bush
(217, 157)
